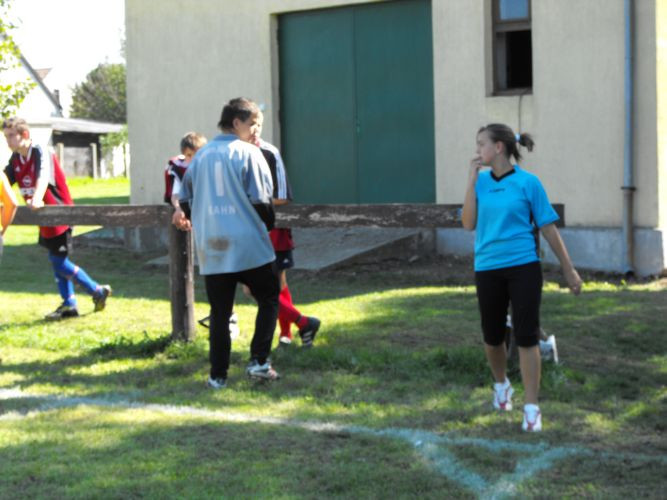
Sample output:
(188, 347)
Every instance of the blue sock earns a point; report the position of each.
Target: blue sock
(66, 289)
(67, 269)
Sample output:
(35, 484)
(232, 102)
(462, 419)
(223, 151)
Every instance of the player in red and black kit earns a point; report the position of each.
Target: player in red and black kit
(283, 246)
(42, 182)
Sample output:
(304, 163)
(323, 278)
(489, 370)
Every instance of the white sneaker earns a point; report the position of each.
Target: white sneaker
(532, 418)
(217, 383)
(548, 349)
(502, 396)
(265, 371)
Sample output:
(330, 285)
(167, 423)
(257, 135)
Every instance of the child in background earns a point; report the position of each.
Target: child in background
(42, 182)
(281, 239)
(177, 165)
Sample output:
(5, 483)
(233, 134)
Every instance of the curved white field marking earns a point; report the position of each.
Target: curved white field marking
(433, 447)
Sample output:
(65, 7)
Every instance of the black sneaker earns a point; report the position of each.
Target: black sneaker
(308, 332)
(63, 311)
(100, 298)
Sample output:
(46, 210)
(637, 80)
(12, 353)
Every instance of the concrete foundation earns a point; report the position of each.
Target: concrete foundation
(597, 249)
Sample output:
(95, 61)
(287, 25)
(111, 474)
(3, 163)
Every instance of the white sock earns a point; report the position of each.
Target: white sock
(503, 385)
(531, 408)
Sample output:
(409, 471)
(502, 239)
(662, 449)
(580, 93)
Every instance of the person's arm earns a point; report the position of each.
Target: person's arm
(469, 212)
(176, 192)
(552, 235)
(44, 178)
(182, 215)
(8, 202)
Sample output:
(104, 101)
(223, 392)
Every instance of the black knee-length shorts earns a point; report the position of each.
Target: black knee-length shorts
(520, 285)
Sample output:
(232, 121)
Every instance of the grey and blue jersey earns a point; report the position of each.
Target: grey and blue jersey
(226, 177)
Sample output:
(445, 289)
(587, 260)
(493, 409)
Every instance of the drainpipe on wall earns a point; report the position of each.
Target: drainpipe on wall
(628, 181)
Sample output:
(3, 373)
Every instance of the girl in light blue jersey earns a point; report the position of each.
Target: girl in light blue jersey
(501, 204)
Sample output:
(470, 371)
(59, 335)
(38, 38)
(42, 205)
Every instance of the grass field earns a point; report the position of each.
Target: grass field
(393, 401)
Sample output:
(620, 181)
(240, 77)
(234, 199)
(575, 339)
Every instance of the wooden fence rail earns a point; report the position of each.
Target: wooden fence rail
(181, 273)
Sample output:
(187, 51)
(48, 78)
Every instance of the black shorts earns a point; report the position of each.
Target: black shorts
(60, 245)
(284, 259)
(520, 285)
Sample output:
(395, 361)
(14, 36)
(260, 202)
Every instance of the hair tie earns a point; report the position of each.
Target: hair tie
(518, 137)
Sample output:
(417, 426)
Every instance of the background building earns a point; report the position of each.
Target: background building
(379, 101)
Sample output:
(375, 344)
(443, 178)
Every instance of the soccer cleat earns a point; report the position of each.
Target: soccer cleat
(100, 298)
(263, 372)
(548, 349)
(217, 383)
(532, 418)
(308, 332)
(63, 311)
(502, 396)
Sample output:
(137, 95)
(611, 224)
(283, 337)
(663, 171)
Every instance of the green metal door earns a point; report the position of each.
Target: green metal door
(356, 87)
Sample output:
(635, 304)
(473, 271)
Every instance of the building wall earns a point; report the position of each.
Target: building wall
(576, 110)
(661, 131)
(184, 64)
(184, 61)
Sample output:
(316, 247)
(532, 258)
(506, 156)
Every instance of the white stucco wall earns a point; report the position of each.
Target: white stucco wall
(576, 110)
(185, 59)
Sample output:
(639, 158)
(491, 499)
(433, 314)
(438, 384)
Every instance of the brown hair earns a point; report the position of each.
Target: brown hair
(499, 132)
(16, 123)
(240, 108)
(193, 141)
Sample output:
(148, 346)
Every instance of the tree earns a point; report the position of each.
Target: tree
(12, 89)
(101, 96)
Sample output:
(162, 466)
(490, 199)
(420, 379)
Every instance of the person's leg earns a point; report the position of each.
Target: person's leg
(493, 300)
(525, 287)
(284, 317)
(264, 286)
(65, 268)
(220, 289)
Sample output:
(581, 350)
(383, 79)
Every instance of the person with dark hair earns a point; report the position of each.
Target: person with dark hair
(281, 238)
(501, 205)
(42, 182)
(177, 165)
(226, 199)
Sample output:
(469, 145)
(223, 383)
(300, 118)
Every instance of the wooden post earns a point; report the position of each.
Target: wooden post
(181, 280)
(93, 149)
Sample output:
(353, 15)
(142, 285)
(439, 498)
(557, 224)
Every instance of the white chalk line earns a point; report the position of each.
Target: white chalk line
(434, 448)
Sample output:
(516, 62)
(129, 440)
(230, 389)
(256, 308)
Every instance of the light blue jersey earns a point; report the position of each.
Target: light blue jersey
(504, 233)
(226, 177)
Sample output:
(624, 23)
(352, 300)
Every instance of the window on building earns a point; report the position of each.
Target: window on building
(512, 46)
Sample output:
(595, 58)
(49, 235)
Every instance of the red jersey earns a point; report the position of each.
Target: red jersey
(26, 171)
(176, 167)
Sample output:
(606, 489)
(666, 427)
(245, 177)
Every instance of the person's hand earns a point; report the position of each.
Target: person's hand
(181, 221)
(35, 204)
(574, 282)
(475, 165)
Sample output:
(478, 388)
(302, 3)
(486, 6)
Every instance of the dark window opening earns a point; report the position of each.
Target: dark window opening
(512, 47)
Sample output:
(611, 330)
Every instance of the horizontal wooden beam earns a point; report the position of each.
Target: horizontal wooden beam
(96, 215)
(382, 215)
